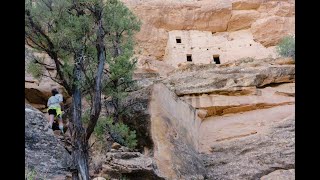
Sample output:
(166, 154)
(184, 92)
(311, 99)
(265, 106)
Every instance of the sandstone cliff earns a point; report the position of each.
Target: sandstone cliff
(230, 121)
(267, 23)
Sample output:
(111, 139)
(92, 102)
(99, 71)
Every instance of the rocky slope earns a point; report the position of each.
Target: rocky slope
(44, 155)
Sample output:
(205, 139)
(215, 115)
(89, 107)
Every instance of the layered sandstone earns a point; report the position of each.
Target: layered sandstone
(267, 22)
(244, 108)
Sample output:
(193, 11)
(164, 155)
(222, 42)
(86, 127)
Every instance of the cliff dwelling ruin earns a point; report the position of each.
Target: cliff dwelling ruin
(203, 47)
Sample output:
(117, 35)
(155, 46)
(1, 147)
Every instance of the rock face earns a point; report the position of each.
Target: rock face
(37, 92)
(174, 131)
(132, 165)
(254, 156)
(212, 79)
(43, 152)
(242, 19)
(278, 27)
(280, 174)
(267, 22)
(226, 120)
(165, 133)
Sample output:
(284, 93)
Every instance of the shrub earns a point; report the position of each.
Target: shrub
(120, 132)
(286, 48)
(34, 69)
(31, 174)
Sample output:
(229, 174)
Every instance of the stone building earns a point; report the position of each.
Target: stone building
(206, 47)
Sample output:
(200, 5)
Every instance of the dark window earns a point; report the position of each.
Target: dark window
(216, 59)
(178, 40)
(189, 57)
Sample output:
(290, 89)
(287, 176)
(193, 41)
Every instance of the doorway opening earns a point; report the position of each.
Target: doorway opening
(189, 57)
(216, 59)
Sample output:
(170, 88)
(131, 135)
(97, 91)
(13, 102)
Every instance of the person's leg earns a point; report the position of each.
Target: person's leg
(51, 119)
(60, 124)
(59, 114)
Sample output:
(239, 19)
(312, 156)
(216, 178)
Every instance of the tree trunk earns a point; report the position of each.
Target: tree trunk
(96, 103)
(75, 175)
(79, 142)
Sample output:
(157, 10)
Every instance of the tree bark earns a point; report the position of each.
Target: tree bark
(75, 175)
(96, 103)
(79, 142)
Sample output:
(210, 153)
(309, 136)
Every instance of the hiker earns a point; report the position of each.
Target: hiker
(54, 108)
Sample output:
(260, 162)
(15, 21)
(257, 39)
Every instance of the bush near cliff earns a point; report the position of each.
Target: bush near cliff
(120, 132)
(286, 47)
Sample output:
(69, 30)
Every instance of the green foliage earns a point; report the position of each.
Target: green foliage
(100, 128)
(286, 48)
(31, 175)
(120, 132)
(85, 117)
(35, 69)
(120, 18)
(122, 26)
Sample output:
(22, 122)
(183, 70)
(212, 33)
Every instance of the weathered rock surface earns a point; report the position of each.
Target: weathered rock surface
(37, 92)
(246, 4)
(280, 174)
(201, 79)
(174, 128)
(278, 27)
(253, 156)
(132, 165)
(269, 21)
(255, 95)
(43, 152)
(139, 117)
(242, 19)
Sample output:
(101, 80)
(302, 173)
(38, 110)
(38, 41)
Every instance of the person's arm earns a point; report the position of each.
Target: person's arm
(61, 102)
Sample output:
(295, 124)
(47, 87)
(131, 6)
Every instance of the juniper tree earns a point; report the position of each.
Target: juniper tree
(123, 24)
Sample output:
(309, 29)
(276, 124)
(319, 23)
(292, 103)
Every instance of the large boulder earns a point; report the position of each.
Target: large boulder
(132, 165)
(44, 154)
